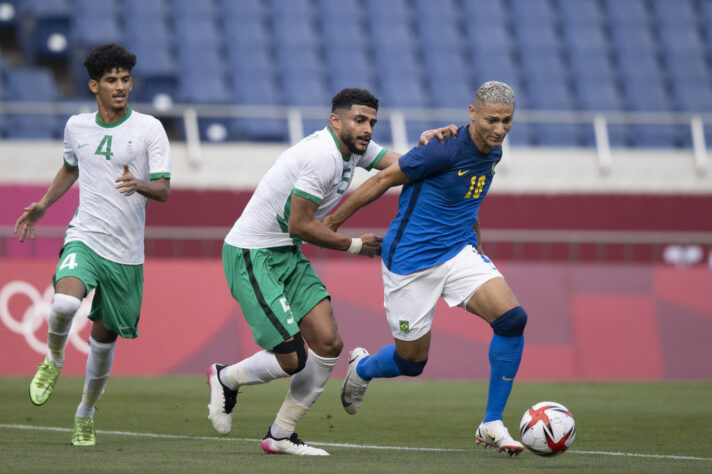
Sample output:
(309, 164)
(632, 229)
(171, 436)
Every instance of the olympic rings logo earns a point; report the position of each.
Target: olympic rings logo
(37, 314)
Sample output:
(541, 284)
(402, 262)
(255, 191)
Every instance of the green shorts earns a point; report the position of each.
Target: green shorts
(119, 288)
(275, 287)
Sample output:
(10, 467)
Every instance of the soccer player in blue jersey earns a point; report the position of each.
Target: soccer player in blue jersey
(432, 249)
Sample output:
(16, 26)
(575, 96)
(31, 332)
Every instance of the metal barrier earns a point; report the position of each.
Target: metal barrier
(397, 119)
(508, 244)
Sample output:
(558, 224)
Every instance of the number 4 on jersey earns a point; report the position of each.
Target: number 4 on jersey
(70, 261)
(105, 142)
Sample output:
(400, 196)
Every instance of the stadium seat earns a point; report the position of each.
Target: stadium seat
(485, 12)
(331, 10)
(347, 58)
(438, 36)
(156, 70)
(688, 68)
(250, 59)
(294, 33)
(679, 12)
(46, 29)
(597, 95)
(305, 90)
(191, 8)
(9, 17)
(576, 12)
(591, 67)
(532, 12)
(584, 38)
(91, 30)
(646, 95)
(628, 13)
(440, 12)
(242, 9)
(655, 136)
(342, 34)
(536, 37)
(391, 38)
(634, 65)
(403, 93)
(695, 97)
(133, 9)
(493, 36)
(563, 134)
(387, 11)
(32, 85)
(452, 91)
(520, 134)
(402, 62)
(488, 67)
(549, 93)
(541, 64)
(342, 78)
(633, 38)
(680, 39)
(304, 61)
(245, 35)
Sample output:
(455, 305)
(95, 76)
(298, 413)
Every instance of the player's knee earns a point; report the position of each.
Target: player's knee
(409, 367)
(511, 323)
(294, 346)
(65, 306)
(329, 347)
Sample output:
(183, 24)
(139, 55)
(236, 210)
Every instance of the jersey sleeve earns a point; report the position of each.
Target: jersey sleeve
(428, 160)
(158, 151)
(316, 177)
(373, 155)
(70, 159)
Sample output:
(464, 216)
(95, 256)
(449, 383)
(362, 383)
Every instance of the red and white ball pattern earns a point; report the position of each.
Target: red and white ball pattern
(547, 429)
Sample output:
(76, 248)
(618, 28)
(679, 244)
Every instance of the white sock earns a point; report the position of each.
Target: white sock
(63, 309)
(305, 388)
(101, 357)
(261, 367)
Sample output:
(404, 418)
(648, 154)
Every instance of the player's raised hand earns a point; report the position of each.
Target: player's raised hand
(26, 222)
(440, 133)
(127, 182)
(370, 245)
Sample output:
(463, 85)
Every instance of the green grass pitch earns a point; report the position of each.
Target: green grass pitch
(160, 425)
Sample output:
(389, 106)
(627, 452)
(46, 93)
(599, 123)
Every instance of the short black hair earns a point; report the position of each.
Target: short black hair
(348, 97)
(107, 57)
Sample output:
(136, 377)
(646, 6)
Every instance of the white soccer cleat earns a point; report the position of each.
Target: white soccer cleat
(495, 434)
(222, 401)
(291, 445)
(354, 388)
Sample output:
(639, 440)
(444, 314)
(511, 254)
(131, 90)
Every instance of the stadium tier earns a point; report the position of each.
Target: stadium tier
(562, 55)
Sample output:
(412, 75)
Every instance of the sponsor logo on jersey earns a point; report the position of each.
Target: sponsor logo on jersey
(462, 172)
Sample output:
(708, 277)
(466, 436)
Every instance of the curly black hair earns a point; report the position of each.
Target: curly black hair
(348, 97)
(107, 57)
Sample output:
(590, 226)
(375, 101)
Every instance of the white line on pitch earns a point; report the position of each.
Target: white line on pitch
(337, 445)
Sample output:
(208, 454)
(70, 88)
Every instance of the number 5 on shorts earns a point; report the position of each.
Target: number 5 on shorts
(70, 261)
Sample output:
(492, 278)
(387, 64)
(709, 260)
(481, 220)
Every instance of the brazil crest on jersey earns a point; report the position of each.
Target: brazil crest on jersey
(438, 208)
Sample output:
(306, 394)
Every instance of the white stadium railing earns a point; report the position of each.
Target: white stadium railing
(397, 119)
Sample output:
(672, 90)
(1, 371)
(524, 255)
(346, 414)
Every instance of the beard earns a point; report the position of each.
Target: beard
(350, 143)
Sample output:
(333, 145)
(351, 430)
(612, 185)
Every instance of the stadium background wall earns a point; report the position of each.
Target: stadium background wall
(587, 321)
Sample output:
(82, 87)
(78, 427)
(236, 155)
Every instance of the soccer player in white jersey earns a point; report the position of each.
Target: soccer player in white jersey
(281, 297)
(121, 158)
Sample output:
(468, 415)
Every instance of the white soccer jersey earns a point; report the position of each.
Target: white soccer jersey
(314, 169)
(109, 223)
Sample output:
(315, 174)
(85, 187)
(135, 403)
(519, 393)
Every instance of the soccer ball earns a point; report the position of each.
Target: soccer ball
(547, 429)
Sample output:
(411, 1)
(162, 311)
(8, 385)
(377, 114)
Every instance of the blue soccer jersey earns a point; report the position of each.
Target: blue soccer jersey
(438, 208)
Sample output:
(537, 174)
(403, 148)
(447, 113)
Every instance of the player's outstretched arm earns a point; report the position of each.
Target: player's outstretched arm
(128, 184)
(63, 180)
(368, 192)
(304, 225)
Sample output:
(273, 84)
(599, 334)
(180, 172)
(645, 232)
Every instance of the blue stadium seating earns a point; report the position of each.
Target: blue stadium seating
(485, 12)
(678, 12)
(494, 37)
(637, 55)
(627, 13)
(576, 12)
(8, 19)
(46, 29)
(585, 38)
(32, 85)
